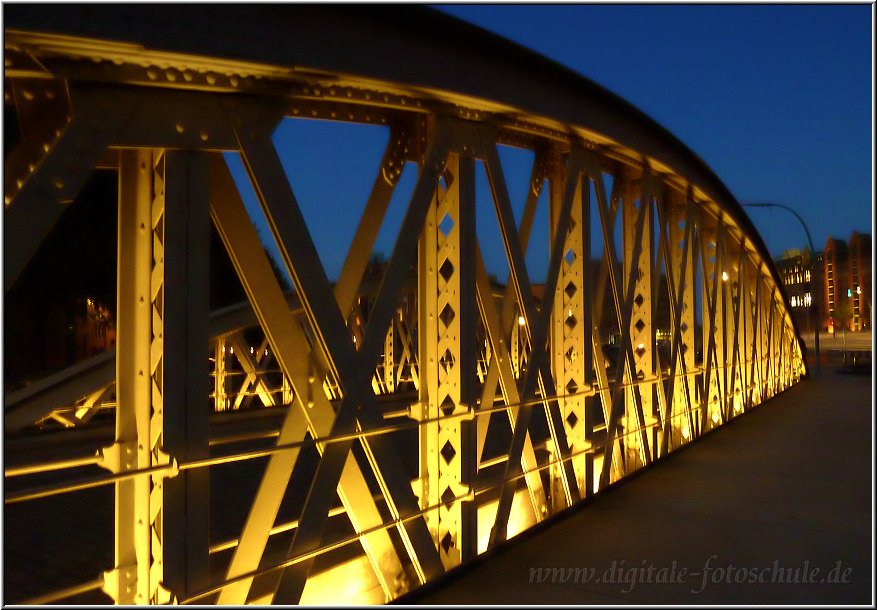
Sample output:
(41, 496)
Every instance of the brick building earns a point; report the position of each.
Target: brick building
(839, 284)
(847, 276)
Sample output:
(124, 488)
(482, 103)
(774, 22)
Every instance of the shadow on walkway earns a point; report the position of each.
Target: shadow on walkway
(782, 491)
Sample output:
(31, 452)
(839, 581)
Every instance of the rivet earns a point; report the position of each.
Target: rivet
(28, 95)
(180, 128)
(204, 136)
(211, 79)
(234, 81)
(59, 184)
(151, 74)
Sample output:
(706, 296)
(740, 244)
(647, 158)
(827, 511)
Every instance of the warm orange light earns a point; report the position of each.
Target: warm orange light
(521, 517)
(350, 583)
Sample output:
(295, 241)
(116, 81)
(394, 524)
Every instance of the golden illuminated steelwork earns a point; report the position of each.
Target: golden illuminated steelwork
(447, 354)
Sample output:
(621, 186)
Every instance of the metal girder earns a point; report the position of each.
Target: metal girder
(639, 413)
(312, 412)
(41, 186)
(448, 323)
(184, 379)
(571, 330)
(170, 116)
(537, 325)
(680, 292)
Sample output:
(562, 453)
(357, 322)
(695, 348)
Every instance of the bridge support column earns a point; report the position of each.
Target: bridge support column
(161, 375)
(642, 337)
(572, 333)
(185, 381)
(448, 351)
(713, 324)
(220, 377)
(682, 413)
(138, 571)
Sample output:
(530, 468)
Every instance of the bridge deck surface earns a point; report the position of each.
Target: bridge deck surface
(789, 482)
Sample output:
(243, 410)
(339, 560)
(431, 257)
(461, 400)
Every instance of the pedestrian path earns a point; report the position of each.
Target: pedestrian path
(775, 508)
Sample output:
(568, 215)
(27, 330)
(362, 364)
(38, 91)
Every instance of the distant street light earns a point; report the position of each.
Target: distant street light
(813, 301)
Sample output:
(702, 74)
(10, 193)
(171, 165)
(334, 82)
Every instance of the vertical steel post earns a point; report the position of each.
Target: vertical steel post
(642, 336)
(135, 577)
(220, 397)
(185, 376)
(683, 398)
(448, 362)
(571, 330)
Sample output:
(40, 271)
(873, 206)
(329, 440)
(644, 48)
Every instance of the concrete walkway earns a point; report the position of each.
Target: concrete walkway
(786, 487)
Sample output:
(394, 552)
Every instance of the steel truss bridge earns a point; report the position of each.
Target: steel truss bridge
(505, 406)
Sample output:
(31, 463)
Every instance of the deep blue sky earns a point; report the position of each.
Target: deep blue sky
(777, 100)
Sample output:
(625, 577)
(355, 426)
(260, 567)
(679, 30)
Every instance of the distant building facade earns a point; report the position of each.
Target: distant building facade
(859, 280)
(839, 283)
(802, 285)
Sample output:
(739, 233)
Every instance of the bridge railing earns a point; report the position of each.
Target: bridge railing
(402, 443)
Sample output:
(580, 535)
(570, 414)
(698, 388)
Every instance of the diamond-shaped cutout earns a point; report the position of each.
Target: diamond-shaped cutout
(571, 387)
(448, 497)
(683, 327)
(640, 325)
(572, 420)
(570, 289)
(447, 360)
(446, 225)
(639, 300)
(447, 315)
(569, 257)
(640, 350)
(571, 322)
(684, 348)
(446, 270)
(447, 542)
(571, 355)
(448, 406)
(448, 452)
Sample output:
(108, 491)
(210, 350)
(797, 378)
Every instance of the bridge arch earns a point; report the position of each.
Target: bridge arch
(524, 400)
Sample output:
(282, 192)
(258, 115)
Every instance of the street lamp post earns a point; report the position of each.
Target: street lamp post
(813, 300)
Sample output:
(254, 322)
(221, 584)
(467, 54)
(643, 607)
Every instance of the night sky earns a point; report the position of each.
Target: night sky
(777, 100)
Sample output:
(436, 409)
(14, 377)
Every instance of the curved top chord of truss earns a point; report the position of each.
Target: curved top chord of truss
(339, 62)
